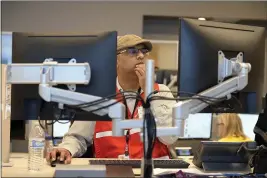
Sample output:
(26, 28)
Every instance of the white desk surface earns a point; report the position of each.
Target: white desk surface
(20, 163)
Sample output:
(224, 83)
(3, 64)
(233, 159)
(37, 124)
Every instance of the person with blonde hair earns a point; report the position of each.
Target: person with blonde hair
(230, 128)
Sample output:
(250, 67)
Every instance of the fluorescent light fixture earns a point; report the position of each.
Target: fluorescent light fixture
(201, 18)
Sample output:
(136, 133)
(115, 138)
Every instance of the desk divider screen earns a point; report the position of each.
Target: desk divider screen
(198, 126)
(60, 129)
(248, 123)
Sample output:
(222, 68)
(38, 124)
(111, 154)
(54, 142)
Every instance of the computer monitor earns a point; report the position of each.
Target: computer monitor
(17, 126)
(201, 130)
(199, 43)
(224, 156)
(98, 50)
(248, 122)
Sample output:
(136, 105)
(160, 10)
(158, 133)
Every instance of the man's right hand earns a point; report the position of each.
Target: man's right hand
(62, 153)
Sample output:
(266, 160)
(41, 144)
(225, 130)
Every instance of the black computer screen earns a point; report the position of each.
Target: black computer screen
(199, 43)
(98, 50)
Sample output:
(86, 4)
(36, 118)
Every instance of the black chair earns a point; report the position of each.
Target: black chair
(260, 128)
(159, 76)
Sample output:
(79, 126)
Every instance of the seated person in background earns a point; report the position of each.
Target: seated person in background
(132, 51)
(230, 128)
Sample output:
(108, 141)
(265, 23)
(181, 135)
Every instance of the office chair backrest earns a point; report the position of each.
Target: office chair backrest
(159, 76)
(260, 128)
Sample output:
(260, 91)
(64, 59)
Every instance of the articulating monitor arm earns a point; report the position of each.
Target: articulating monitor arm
(51, 73)
(234, 67)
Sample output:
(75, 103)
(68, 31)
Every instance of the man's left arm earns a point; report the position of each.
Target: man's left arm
(162, 110)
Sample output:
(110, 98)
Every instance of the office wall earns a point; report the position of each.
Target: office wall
(125, 17)
(166, 55)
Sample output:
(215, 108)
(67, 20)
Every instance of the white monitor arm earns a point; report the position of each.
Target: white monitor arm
(226, 68)
(53, 73)
(234, 67)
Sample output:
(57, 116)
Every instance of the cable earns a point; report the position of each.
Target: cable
(107, 106)
(237, 100)
(138, 97)
(186, 98)
(182, 92)
(102, 100)
(151, 131)
(63, 122)
(210, 101)
(149, 123)
(41, 123)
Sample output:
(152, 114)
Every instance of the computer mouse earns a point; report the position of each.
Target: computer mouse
(57, 161)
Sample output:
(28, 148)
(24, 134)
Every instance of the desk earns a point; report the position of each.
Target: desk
(20, 163)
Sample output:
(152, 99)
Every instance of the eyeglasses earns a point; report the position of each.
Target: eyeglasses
(134, 51)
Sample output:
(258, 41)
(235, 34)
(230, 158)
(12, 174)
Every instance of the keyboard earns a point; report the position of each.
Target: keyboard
(136, 163)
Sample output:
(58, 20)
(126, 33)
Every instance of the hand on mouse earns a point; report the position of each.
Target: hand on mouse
(60, 154)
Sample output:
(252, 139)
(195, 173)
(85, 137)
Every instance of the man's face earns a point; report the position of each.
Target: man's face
(128, 58)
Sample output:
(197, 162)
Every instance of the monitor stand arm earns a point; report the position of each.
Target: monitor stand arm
(51, 73)
(234, 67)
(181, 110)
(226, 68)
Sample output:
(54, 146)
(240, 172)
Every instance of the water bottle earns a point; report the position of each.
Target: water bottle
(36, 147)
(48, 144)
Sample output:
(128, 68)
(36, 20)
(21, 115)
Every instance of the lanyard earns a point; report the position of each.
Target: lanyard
(127, 136)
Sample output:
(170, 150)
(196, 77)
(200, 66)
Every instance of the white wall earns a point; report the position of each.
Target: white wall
(126, 17)
(167, 55)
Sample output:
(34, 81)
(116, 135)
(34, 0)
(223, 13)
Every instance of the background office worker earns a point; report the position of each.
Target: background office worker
(230, 128)
(132, 51)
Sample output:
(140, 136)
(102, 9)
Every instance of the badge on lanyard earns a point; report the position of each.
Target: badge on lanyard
(126, 151)
(127, 136)
(140, 112)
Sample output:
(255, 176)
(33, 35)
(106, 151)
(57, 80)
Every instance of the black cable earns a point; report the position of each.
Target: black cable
(185, 98)
(99, 102)
(237, 100)
(183, 92)
(105, 99)
(41, 123)
(106, 106)
(207, 101)
(149, 123)
(196, 96)
(211, 101)
(83, 105)
(151, 133)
